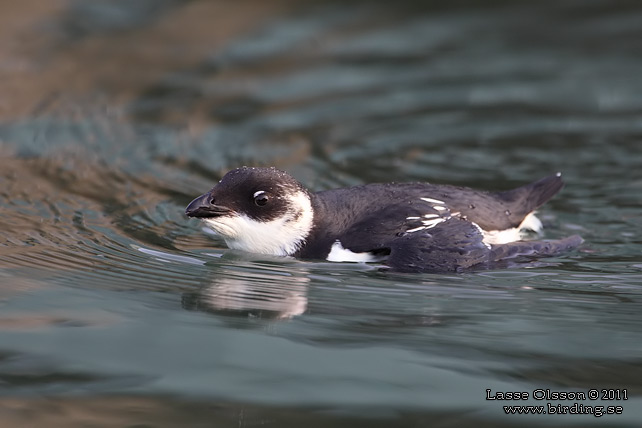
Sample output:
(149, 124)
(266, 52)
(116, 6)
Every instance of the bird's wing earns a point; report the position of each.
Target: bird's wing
(450, 246)
(534, 248)
(376, 231)
(456, 245)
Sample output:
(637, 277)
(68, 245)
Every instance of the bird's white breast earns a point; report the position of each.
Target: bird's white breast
(340, 254)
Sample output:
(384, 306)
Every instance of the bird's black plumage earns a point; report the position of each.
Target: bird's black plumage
(417, 227)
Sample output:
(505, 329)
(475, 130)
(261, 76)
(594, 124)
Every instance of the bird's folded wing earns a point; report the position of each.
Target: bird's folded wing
(378, 230)
(450, 246)
(534, 248)
(456, 245)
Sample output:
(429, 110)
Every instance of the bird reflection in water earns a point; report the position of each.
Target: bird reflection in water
(265, 294)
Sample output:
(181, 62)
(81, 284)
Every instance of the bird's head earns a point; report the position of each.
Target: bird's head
(259, 210)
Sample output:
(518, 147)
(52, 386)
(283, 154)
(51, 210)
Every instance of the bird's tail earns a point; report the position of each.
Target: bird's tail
(525, 199)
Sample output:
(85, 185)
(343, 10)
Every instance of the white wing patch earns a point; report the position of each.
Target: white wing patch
(428, 221)
(433, 201)
(340, 254)
(427, 224)
(490, 237)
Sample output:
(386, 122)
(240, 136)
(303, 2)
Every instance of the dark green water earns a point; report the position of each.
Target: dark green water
(117, 310)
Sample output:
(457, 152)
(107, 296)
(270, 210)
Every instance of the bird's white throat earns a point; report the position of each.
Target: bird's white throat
(282, 236)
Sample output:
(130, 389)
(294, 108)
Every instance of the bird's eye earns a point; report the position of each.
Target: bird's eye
(261, 199)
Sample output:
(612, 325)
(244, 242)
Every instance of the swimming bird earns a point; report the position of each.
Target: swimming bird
(410, 227)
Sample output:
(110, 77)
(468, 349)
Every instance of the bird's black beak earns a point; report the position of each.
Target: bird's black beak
(204, 207)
